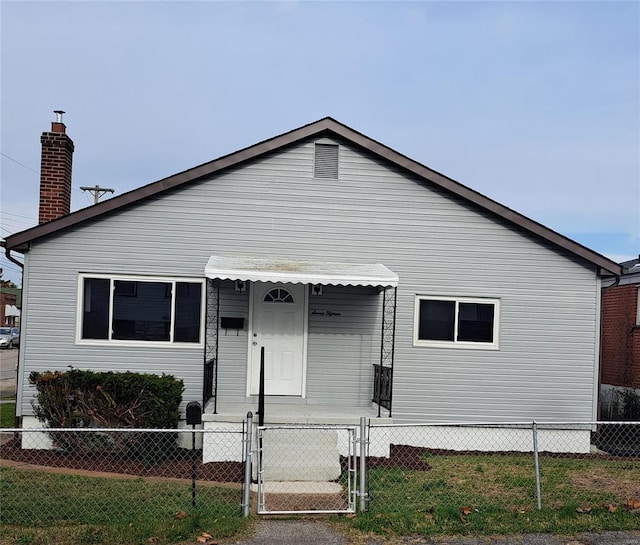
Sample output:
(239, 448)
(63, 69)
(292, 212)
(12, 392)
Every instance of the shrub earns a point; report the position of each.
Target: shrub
(83, 399)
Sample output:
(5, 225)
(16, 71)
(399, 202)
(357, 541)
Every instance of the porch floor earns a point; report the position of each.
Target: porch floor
(290, 413)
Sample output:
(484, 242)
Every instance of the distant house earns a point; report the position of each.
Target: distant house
(620, 374)
(10, 306)
(372, 284)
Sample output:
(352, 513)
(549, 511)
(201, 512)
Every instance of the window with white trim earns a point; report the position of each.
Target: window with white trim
(160, 310)
(461, 322)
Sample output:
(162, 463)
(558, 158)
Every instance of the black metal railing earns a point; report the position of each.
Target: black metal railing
(210, 371)
(382, 383)
(207, 392)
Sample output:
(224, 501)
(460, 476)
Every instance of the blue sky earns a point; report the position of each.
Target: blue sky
(534, 104)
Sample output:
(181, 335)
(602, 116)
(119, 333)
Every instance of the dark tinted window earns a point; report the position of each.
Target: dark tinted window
(475, 322)
(95, 312)
(141, 311)
(436, 320)
(187, 322)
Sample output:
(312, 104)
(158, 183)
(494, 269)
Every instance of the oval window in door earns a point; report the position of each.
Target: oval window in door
(278, 295)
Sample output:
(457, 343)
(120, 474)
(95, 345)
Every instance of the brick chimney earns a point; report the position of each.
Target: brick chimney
(55, 171)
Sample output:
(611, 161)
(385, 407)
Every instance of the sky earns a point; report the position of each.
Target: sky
(533, 104)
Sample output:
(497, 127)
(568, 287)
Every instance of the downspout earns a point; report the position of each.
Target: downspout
(7, 253)
(615, 283)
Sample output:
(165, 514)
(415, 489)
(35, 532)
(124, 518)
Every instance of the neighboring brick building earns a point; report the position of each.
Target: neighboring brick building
(9, 306)
(620, 344)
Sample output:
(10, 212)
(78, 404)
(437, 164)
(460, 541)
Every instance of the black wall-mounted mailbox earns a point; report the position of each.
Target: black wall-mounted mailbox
(232, 323)
(194, 413)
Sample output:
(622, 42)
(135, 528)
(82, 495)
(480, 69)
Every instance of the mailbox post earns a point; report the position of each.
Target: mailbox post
(194, 418)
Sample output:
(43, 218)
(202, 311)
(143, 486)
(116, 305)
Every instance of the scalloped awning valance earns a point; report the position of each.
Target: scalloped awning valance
(250, 269)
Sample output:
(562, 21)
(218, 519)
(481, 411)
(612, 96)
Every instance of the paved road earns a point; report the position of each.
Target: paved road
(302, 532)
(8, 362)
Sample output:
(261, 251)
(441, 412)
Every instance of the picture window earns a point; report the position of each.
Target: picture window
(147, 310)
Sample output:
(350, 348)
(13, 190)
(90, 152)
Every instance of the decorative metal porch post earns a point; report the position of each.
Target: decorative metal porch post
(383, 377)
(210, 387)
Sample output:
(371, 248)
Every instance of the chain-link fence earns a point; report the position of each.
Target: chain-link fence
(504, 468)
(135, 477)
(123, 476)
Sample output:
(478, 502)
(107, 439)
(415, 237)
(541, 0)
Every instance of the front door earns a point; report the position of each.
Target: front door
(279, 325)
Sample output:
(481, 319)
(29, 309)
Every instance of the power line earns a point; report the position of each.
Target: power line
(3, 213)
(17, 256)
(8, 265)
(6, 230)
(14, 221)
(19, 163)
(12, 226)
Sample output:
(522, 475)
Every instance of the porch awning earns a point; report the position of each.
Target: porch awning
(300, 272)
(11, 310)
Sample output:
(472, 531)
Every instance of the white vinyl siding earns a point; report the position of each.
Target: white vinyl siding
(273, 207)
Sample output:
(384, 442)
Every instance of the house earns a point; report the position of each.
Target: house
(367, 283)
(620, 346)
(10, 306)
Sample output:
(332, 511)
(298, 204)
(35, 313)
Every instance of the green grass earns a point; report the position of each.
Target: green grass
(39, 507)
(476, 494)
(7, 415)
(459, 495)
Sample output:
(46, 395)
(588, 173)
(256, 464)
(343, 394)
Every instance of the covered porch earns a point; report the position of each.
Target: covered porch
(291, 413)
(298, 341)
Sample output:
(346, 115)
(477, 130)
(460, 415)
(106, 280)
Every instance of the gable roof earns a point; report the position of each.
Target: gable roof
(323, 127)
(628, 265)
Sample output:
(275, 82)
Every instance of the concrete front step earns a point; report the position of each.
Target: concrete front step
(297, 487)
(300, 455)
(308, 496)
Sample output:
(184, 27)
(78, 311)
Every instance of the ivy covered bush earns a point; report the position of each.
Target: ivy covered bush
(86, 399)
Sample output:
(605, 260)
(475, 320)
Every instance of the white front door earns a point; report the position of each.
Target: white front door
(278, 324)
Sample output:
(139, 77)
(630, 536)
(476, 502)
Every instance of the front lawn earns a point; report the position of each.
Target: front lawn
(42, 508)
(436, 494)
(7, 415)
(496, 494)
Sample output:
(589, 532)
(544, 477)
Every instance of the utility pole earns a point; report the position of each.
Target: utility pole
(97, 192)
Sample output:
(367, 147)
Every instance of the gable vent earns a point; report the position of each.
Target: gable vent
(326, 161)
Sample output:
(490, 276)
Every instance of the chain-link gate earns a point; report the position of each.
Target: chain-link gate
(305, 469)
